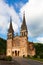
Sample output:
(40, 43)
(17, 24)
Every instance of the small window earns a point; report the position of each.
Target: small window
(13, 52)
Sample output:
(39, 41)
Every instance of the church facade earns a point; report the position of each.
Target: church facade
(19, 45)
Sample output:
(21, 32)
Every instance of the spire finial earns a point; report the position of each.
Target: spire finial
(23, 13)
(23, 26)
(10, 22)
(24, 17)
(10, 27)
(10, 19)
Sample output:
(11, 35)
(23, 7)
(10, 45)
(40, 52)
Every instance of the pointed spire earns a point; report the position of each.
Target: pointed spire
(24, 22)
(10, 22)
(10, 19)
(11, 27)
(24, 27)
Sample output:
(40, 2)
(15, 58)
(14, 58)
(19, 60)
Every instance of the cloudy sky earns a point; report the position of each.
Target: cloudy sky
(33, 14)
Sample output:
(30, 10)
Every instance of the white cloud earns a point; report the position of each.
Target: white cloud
(33, 8)
(15, 27)
(5, 13)
(34, 17)
(15, 19)
(40, 39)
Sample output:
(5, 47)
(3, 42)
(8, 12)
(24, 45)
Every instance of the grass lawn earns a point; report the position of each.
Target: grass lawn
(38, 59)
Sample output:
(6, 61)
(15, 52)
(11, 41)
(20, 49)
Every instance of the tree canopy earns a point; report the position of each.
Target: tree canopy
(2, 46)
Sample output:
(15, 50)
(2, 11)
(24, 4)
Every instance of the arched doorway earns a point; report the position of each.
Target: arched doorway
(18, 53)
(15, 53)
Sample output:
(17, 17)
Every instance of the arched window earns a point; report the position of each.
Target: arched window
(15, 53)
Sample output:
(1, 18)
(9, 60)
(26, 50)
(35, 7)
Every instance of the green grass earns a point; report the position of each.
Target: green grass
(38, 59)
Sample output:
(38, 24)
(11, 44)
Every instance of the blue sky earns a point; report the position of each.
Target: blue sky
(14, 2)
(33, 14)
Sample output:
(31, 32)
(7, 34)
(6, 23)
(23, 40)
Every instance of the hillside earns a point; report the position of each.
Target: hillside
(39, 48)
(2, 46)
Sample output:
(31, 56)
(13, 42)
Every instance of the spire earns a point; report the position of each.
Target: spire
(10, 22)
(10, 28)
(23, 26)
(24, 23)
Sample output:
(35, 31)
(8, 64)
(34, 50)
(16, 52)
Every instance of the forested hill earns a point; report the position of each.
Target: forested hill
(2, 46)
(39, 48)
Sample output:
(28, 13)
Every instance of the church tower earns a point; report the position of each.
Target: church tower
(24, 37)
(10, 36)
(24, 31)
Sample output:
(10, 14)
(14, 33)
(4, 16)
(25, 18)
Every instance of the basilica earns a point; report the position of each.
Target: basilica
(19, 46)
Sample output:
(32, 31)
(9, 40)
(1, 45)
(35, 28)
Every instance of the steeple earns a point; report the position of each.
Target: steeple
(24, 27)
(10, 27)
(10, 30)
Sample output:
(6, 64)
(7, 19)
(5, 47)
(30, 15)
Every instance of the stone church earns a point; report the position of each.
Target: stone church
(19, 45)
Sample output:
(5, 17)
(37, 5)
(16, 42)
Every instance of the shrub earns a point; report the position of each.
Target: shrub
(41, 56)
(8, 58)
(35, 56)
(2, 57)
(28, 56)
(38, 56)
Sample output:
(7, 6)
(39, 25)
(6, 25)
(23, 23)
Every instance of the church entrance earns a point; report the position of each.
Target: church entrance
(16, 53)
